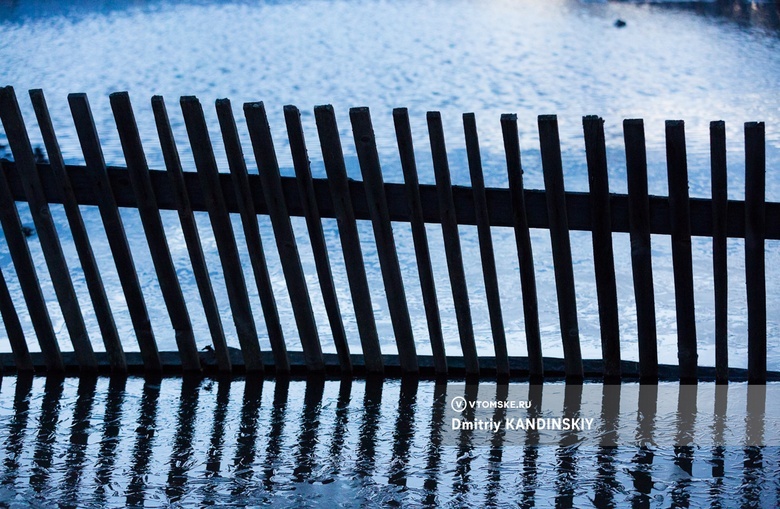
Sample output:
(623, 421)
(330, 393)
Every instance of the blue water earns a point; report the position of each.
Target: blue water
(193, 443)
(529, 57)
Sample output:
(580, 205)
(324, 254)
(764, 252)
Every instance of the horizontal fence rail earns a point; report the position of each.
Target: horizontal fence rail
(26, 179)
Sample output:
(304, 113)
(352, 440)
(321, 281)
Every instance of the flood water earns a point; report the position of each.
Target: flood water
(296, 443)
(697, 62)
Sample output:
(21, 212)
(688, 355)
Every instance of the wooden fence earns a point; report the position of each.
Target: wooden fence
(221, 194)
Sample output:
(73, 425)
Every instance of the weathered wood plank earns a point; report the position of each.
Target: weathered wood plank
(682, 260)
(641, 255)
(191, 236)
(115, 230)
(94, 281)
(523, 241)
(319, 248)
(154, 230)
(719, 245)
(420, 238)
(350, 242)
(13, 329)
(486, 245)
(16, 132)
(498, 202)
(452, 249)
(254, 242)
(552, 168)
(212, 188)
(755, 221)
(603, 256)
(373, 182)
(268, 167)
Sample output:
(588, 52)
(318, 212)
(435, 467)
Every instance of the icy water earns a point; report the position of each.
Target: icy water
(192, 443)
(697, 62)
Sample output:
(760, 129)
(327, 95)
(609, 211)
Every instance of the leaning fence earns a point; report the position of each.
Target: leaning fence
(348, 201)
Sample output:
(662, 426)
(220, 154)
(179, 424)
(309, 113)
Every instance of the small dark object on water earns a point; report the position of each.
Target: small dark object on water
(40, 157)
(620, 23)
(28, 231)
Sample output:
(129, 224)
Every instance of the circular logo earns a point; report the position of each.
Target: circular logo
(458, 403)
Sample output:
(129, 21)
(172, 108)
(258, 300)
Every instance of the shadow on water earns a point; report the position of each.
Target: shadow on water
(187, 442)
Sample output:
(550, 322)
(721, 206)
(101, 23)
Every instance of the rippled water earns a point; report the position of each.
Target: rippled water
(530, 57)
(151, 443)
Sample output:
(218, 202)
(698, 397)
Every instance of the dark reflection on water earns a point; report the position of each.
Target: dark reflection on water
(341, 443)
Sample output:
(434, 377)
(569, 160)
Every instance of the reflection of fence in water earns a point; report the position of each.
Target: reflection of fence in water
(338, 197)
(115, 441)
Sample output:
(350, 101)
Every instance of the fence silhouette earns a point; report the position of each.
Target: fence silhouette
(222, 194)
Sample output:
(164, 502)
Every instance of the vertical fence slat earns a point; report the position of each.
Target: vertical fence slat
(350, 242)
(191, 236)
(268, 167)
(13, 329)
(206, 166)
(254, 242)
(15, 130)
(420, 238)
(316, 236)
(146, 202)
(755, 183)
(373, 182)
(28, 279)
(486, 245)
(94, 281)
(641, 256)
(524, 251)
(561, 246)
(603, 257)
(115, 230)
(679, 210)
(449, 226)
(719, 253)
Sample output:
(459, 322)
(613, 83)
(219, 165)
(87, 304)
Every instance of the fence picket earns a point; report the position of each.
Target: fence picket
(206, 166)
(719, 253)
(641, 255)
(422, 252)
(254, 243)
(191, 236)
(449, 227)
(603, 257)
(319, 248)
(755, 277)
(383, 235)
(486, 245)
(268, 167)
(350, 242)
(153, 228)
(561, 245)
(92, 277)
